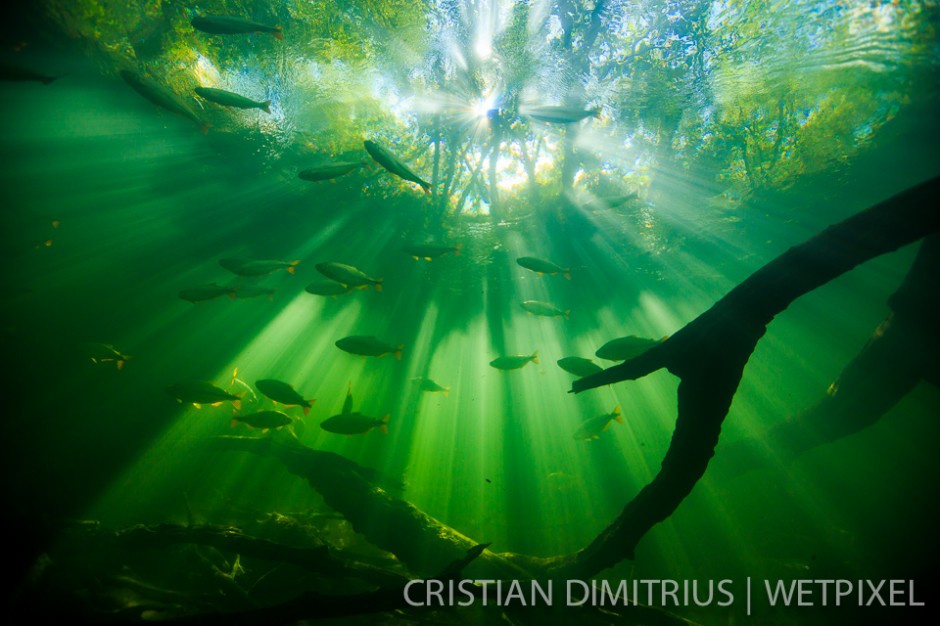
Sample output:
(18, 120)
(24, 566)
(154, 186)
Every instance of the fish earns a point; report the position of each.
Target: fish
(199, 392)
(211, 291)
(593, 427)
(264, 420)
(390, 162)
(545, 309)
(579, 366)
(282, 392)
(426, 384)
(105, 353)
(541, 266)
(558, 114)
(15, 73)
(162, 97)
(232, 25)
(624, 348)
(231, 99)
(330, 170)
(257, 267)
(348, 275)
(327, 288)
(349, 422)
(514, 362)
(368, 346)
(429, 252)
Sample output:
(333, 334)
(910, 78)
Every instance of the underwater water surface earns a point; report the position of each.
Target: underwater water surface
(471, 191)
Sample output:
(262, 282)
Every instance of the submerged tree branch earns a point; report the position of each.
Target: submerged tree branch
(709, 355)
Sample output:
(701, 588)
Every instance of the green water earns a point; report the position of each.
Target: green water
(742, 129)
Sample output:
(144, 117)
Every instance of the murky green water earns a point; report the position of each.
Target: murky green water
(725, 133)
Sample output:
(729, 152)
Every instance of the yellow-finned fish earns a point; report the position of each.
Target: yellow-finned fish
(593, 427)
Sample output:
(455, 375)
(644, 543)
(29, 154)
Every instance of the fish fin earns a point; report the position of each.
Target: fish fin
(216, 404)
(267, 106)
(535, 357)
(56, 223)
(446, 391)
(384, 425)
(378, 284)
(119, 363)
(307, 409)
(617, 414)
(567, 275)
(237, 404)
(427, 258)
(398, 350)
(427, 189)
(416, 258)
(278, 34)
(197, 405)
(234, 376)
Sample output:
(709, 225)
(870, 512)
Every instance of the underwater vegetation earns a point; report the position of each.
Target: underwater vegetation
(497, 221)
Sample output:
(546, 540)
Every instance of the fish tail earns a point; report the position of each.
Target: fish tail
(48, 79)
(535, 357)
(291, 267)
(267, 106)
(427, 188)
(278, 34)
(237, 404)
(204, 127)
(384, 425)
(457, 249)
(567, 275)
(567, 314)
(234, 422)
(378, 284)
(446, 391)
(398, 350)
(119, 363)
(306, 410)
(617, 415)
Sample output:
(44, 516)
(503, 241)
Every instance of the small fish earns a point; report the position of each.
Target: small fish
(624, 348)
(105, 353)
(593, 427)
(330, 170)
(426, 384)
(429, 252)
(231, 99)
(390, 162)
(368, 346)
(259, 267)
(282, 392)
(545, 309)
(19, 74)
(579, 366)
(353, 423)
(162, 97)
(264, 420)
(513, 362)
(327, 288)
(559, 114)
(540, 266)
(232, 25)
(199, 392)
(207, 292)
(348, 275)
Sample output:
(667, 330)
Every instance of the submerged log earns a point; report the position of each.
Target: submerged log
(901, 353)
(709, 355)
(421, 542)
